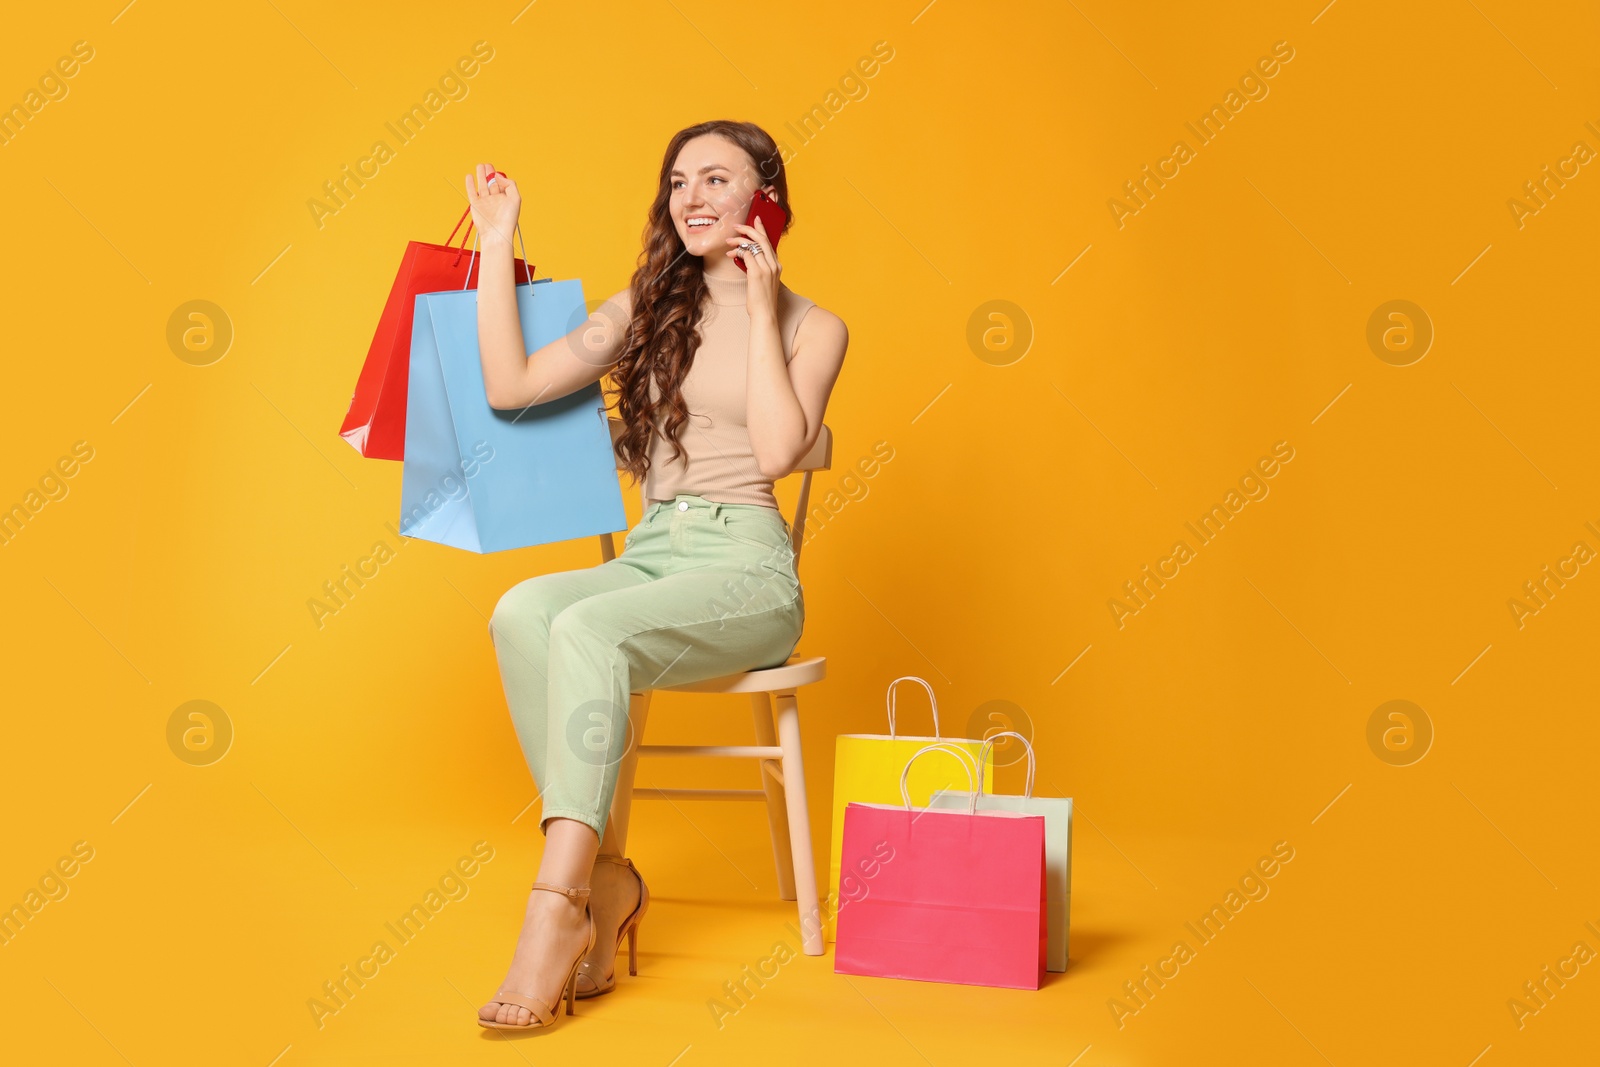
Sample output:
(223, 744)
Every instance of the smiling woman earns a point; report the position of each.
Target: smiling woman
(721, 379)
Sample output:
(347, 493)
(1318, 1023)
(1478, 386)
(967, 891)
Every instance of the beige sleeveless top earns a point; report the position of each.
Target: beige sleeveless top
(718, 462)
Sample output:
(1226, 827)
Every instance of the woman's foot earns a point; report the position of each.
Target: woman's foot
(615, 893)
(554, 931)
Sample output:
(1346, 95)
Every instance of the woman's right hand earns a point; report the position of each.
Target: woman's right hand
(495, 204)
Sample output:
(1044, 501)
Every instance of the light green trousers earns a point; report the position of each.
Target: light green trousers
(701, 589)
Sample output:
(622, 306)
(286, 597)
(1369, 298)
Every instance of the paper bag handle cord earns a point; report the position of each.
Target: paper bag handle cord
(967, 764)
(988, 747)
(527, 271)
(932, 703)
(464, 236)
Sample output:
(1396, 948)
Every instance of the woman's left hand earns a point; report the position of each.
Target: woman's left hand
(762, 267)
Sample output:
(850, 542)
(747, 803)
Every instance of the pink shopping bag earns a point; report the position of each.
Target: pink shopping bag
(944, 895)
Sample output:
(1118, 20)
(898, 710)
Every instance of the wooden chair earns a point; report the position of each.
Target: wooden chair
(783, 781)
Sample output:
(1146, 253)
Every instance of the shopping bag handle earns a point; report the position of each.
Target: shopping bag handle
(967, 764)
(526, 269)
(988, 748)
(493, 174)
(464, 236)
(932, 703)
(464, 216)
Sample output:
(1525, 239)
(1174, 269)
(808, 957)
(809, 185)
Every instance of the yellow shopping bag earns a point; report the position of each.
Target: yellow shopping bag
(866, 770)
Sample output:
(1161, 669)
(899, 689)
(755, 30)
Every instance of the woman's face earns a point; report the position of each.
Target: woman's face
(713, 183)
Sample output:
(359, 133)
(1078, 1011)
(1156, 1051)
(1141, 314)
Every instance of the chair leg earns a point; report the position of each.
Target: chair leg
(794, 782)
(777, 809)
(622, 799)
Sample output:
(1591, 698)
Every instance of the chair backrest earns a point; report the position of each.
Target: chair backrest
(819, 458)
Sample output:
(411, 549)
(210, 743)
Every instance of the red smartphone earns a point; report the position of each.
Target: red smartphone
(773, 217)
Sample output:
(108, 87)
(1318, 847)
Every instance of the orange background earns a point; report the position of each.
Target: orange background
(1230, 713)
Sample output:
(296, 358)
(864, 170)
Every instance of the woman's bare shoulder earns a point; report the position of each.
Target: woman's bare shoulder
(809, 310)
(821, 329)
(816, 320)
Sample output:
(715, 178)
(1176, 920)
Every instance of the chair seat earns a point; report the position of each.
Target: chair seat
(797, 671)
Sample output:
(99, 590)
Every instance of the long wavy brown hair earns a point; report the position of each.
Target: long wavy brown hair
(667, 289)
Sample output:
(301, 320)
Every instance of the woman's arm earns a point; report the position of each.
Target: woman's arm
(785, 402)
(513, 379)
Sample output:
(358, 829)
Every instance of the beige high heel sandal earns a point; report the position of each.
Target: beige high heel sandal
(543, 1015)
(600, 984)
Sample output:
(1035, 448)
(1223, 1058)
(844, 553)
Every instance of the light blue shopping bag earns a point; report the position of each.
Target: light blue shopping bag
(487, 480)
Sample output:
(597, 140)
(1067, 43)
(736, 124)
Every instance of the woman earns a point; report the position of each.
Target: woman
(721, 379)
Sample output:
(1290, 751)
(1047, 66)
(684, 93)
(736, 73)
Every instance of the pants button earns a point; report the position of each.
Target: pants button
(683, 505)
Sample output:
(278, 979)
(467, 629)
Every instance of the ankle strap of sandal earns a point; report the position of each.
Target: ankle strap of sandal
(572, 893)
(620, 861)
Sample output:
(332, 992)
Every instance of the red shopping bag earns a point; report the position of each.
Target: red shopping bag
(943, 895)
(376, 423)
